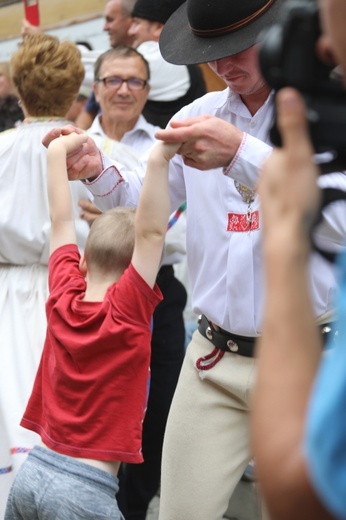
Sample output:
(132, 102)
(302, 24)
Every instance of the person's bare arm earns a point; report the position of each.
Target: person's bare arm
(153, 213)
(84, 160)
(27, 28)
(289, 349)
(59, 195)
(207, 141)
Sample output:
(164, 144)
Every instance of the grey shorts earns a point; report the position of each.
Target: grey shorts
(51, 486)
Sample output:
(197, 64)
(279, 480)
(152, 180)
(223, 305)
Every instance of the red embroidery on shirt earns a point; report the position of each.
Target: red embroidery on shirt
(119, 181)
(235, 158)
(243, 222)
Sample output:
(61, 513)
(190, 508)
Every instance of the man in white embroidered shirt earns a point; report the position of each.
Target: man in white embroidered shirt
(206, 445)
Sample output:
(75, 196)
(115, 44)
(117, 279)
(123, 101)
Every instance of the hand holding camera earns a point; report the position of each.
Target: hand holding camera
(288, 58)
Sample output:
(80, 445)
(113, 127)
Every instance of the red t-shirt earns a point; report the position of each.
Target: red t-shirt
(90, 391)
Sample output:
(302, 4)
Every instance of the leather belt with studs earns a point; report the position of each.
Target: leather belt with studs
(226, 341)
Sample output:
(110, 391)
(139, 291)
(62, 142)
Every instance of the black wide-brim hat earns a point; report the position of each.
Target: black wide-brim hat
(208, 30)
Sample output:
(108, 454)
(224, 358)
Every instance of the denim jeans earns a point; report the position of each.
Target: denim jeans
(52, 486)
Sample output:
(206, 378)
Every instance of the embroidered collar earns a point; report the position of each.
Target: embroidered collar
(49, 119)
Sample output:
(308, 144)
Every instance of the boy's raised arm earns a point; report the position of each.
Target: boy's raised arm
(153, 213)
(59, 195)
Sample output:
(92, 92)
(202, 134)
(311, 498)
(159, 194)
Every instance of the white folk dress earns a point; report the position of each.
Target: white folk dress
(24, 249)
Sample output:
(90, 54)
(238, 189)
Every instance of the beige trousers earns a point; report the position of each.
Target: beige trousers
(206, 446)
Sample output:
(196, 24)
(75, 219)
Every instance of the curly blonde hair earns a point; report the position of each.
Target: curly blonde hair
(47, 74)
(5, 71)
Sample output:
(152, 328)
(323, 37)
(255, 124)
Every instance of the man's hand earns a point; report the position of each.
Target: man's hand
(89, 211)
(288, 189)
(207, 141)
(83, 161)
(28, 28)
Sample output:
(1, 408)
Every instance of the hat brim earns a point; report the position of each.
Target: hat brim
(180, 46)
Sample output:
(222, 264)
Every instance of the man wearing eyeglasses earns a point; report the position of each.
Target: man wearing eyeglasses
(121, 87)
(172, 86)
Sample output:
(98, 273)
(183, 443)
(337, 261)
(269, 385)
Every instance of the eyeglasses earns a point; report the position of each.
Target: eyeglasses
(116, 82)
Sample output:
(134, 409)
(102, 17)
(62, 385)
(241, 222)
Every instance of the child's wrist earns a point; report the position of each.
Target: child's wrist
(157, 161)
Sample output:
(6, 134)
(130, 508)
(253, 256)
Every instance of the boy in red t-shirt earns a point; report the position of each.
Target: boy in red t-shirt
(89, 396)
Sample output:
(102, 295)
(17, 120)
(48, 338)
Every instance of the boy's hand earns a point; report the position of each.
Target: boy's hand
(164, 151)
(70, 143)
(83, 162)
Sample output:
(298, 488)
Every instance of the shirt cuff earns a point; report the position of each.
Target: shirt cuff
(228, 168)
(105, 163)
(108, 180)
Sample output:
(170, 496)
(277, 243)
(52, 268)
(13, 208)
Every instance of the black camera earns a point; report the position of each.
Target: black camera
(287, 57)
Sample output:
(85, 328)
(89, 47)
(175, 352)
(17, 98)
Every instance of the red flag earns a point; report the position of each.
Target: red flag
(31, 11)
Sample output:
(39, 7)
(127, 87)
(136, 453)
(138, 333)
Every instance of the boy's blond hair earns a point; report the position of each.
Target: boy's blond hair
(111, 240)
(47, 74)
